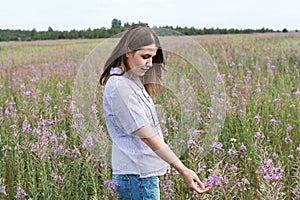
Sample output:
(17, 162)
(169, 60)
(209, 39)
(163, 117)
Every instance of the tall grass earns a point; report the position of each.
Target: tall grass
(257, 155)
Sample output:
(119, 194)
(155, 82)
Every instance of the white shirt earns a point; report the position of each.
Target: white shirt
(128, 107)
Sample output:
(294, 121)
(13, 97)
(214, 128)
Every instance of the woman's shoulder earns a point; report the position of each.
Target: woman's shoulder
(117, 81)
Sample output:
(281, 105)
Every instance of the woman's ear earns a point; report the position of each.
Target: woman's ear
(128, 52)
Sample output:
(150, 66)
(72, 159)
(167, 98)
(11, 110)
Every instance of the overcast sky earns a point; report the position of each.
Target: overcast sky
(84, 14)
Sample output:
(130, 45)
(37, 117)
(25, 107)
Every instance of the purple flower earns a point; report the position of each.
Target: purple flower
(201, 169)
(165, 132)
(110, 184)
(289, 128)
(88, 142)
(47, 99)
(217, 146)
(275, 155)
(243, 148)
(215, 180)
(2, 190)
(232, 151)
(271, 173)
(259, 135)
(64, 137)
(25, 127)
(22, 87)
(296, 191)
(257, 118)
(27, 93)
(191, 74)
(258, 90)
(297, 93)
(53, 138)
(55, 177)
(59, 85)
(94, 109)
(276, 100)
(191, 143)
(257, 68)
(167, 189)
(20, 193)
(75, 153)
(274, 122)
(287, 139)
(245, 181)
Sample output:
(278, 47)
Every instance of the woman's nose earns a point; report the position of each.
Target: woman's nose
(149, 62)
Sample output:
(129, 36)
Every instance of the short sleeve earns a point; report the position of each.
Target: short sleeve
(127, 109)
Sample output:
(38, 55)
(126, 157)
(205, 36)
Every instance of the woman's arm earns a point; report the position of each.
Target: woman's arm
(147, 134)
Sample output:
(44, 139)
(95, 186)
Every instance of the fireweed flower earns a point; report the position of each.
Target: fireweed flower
(276, 100)
(201, 169)
(274, 122)
(270, 172)
(64, 137)
(110, 184)
(287, 139)
(191, 143)
(217, 146)
(259, 135)
(53, 138)
(20, 193)
(59, 85)
(47, 99)
(258, 90)
(27, 93)
(242, 184)
(55, 177)
(275, 155)
(25, 127)
(296, 93)
(191, 75)
(243, 148)
(232, 151)
(215, 180)
(296, 191)
(257, 118)
(22, 87)
(167, 189)
(2, 190)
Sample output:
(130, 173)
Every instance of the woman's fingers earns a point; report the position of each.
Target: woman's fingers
(201, 188)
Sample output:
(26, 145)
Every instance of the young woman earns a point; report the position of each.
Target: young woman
(132, 79)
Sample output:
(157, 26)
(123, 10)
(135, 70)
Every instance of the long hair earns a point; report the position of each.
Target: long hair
(136, 37)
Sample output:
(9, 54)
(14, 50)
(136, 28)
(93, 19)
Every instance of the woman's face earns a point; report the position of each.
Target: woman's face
(140, 61)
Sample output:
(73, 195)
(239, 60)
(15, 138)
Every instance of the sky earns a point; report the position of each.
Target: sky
(84, 14)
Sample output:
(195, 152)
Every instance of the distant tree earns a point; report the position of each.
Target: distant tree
(116, 23)
(50, 29)
(33, 33)
(126, 25)
(284, 30)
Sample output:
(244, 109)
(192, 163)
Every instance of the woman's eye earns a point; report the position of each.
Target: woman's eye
(146, 56)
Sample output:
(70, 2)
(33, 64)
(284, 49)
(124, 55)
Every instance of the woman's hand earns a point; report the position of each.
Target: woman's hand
(193, 181)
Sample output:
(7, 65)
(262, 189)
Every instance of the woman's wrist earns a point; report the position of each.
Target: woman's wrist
(180, 167)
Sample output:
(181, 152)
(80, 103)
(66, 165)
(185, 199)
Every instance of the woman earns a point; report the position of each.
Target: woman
(132, 78)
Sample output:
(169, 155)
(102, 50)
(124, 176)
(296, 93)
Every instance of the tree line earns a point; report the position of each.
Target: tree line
(116, 27)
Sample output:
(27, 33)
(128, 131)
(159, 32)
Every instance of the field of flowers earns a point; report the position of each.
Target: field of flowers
(256, 156)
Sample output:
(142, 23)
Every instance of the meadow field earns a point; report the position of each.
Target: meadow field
(255, 156)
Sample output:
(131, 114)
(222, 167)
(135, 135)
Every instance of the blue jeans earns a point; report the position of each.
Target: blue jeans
(132, 187)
